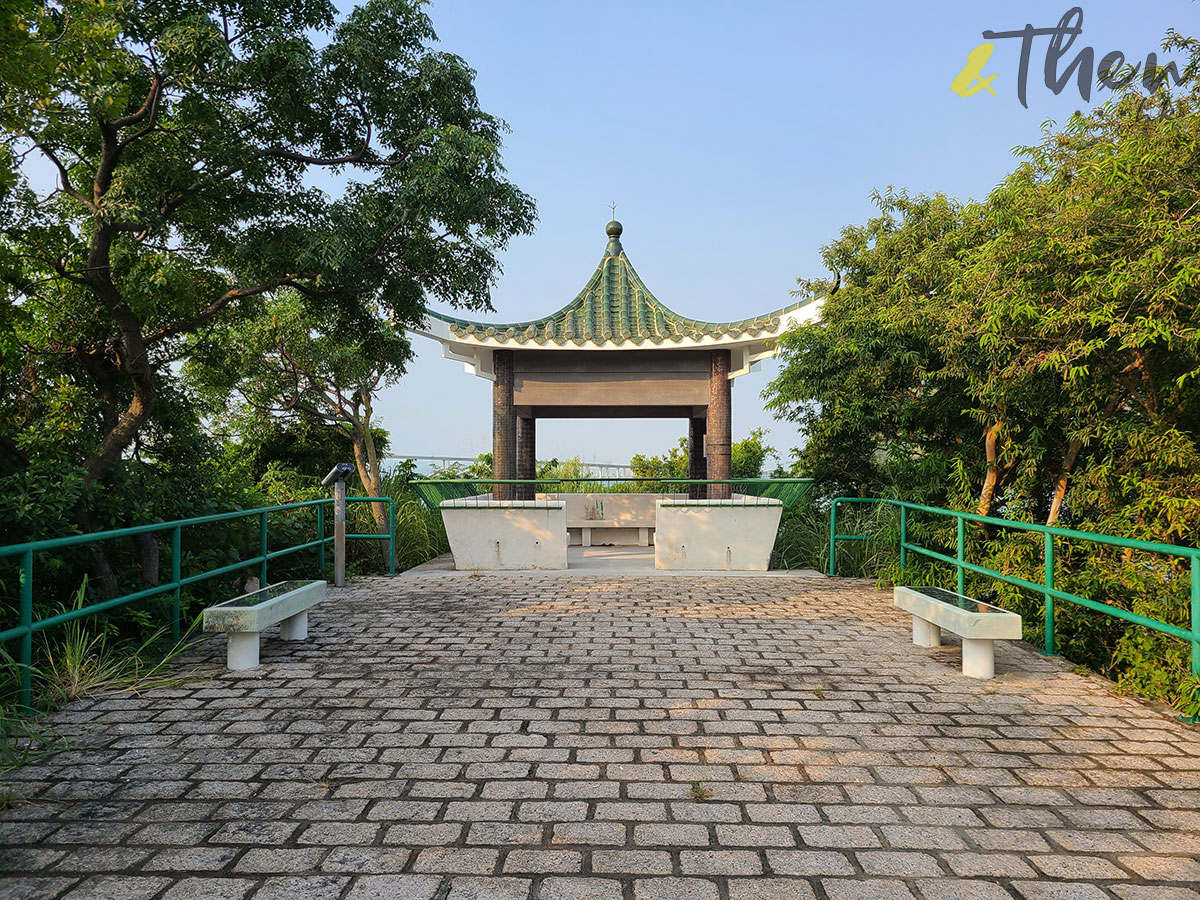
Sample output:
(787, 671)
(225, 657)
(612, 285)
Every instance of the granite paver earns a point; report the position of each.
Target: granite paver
(610, 739)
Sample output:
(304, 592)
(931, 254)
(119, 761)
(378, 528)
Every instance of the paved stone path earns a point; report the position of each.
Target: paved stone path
(645, 739)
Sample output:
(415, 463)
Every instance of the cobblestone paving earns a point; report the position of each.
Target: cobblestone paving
(644, 739)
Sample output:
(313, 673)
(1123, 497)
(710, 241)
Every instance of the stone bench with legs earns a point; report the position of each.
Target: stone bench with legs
(621, 531)
(244, 618)
(979, 624)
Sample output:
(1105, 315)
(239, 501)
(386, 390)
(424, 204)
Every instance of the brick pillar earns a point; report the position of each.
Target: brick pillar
(697, 464)
(720, 427)
(504, 424)
(526, 455)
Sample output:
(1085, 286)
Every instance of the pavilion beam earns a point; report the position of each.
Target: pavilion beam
(697, 464)
(720, 426)
(526, 455)
(504, 425)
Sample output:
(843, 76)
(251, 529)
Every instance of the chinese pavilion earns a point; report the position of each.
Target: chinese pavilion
(613, 351)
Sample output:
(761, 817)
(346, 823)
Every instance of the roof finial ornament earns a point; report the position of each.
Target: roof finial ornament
(613, 229)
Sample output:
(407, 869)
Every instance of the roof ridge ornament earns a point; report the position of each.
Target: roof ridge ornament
(613, 229)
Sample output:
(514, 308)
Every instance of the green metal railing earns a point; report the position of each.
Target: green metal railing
(1047, 589)
(29, 625)
(789, 491)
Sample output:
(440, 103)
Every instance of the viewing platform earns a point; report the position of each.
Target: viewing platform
(621, 736)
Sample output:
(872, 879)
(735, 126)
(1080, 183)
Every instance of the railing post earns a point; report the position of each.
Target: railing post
(176, 576)
(962, 539)
(833, 538)
(339, 533)
(321, 538)
(1049, 598)
(903, 536)
(392, 534)
(25, 695)
(1196, 616)
(262, 550)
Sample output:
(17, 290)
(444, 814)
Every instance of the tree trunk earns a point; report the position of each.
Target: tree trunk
(366, 460)
(101, 573)
(147, 550)
(1060, 484)
(987, 495)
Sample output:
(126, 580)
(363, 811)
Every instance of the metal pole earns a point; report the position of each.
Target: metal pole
(25, 695)
(962, 534)
(392, 538)
(833, 538)
(1049, 601)
(1196, 616)
(339, 533)
(903, 536)
(176, 575)
(321, 538)
(262, 550)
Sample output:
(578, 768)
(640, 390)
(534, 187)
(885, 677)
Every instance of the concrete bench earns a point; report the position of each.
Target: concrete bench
(644, 528)
(978, 624)
(244, 618)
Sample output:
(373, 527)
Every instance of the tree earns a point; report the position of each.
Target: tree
(748, 458)
(289, 364)
(873, 385)
(750, 454)
(672, 464)
(296, 446)
(1093, 286)
(1034, 356)
(196, 146)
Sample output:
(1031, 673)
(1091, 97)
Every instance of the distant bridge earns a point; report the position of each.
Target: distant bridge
(598, 469)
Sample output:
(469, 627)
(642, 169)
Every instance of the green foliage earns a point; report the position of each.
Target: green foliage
(803, 539)
(749, 456)
(299, 446)
(480, 468)
(81, 660)
(185, 139)
(420, 533)
(1189, 698)
(1034, 356)
(672, 464)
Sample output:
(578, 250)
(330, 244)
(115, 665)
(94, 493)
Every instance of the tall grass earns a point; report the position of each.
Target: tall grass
(77, 660)
(82, 659)
(420, 534)
(803, 539)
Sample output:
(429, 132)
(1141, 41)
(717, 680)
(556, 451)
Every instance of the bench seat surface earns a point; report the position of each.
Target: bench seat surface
(964, 616)
(256, 610)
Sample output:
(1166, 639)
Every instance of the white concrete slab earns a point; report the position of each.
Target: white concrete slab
(506, 535)
(716, 535)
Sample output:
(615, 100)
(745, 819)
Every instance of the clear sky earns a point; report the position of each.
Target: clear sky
(736, 139)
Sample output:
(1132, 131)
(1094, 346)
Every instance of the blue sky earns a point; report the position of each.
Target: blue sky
(736, 139)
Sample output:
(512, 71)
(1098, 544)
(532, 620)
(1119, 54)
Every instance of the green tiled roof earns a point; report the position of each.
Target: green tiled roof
(616, 306)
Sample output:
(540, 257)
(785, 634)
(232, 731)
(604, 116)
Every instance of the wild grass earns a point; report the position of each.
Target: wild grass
(24, 739)
(420, 534)
(80, 660)
(803, 540)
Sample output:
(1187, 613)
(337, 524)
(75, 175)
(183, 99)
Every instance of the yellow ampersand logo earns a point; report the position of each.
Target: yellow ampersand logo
(969, 81)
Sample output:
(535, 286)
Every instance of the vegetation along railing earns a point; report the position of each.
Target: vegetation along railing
(789, 491)
(29, 626)
(1047, 589)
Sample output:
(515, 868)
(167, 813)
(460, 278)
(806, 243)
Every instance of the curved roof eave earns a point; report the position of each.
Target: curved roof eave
(615, 311)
